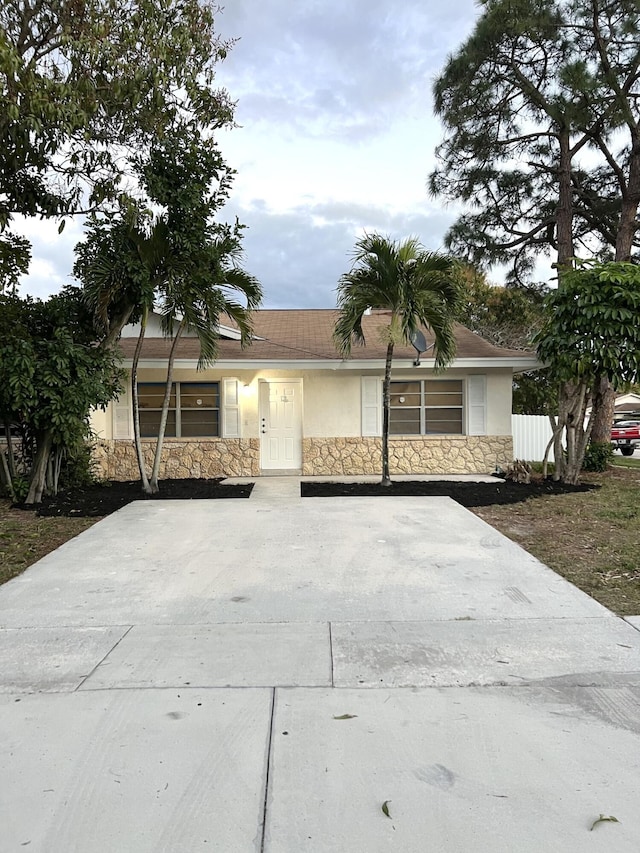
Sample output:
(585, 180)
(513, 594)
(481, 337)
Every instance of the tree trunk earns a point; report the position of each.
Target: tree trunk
(604, 406)
(155, 488)
(559, 454)
(386, 410)
(627, 226)
(39, 470)
(56, 468)
(11, 462)
(564, 211)
(116, 327)
(564, 462)
(5, 475)
(555, 441)
(146, 488)
(577, 435)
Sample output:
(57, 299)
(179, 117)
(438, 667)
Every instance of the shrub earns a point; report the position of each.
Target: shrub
(78, 467)
(598, 456)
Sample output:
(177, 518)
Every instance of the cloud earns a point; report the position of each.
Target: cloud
(300, 254)
(52, 254)
(337, 69)
(336, 136)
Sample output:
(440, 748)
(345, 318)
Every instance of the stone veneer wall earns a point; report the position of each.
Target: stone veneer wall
(436, 454)
(228, 457)
(240, 457)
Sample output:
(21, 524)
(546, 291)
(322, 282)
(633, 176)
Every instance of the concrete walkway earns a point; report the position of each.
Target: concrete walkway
(266, 674)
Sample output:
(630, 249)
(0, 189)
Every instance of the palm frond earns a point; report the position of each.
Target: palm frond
(418, 287)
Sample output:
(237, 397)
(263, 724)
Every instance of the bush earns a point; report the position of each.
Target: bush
(598, 456)
(536, 467)
(78, 468)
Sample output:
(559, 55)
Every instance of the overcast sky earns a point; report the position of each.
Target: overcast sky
(336, 136)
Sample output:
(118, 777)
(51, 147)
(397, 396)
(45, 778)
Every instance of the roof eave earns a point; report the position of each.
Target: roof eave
(515, 364)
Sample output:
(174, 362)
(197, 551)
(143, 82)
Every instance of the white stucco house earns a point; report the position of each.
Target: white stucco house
(290, 403)
(627, 406)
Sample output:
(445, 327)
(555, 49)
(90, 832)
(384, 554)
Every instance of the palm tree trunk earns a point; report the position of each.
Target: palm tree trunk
(386, 409)
(136, 404)
(165, 411)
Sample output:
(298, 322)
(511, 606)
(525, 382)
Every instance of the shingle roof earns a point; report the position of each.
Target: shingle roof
(307, 334)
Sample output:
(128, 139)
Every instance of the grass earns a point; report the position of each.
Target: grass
(626, 462)
(592, 538)
(25, 538)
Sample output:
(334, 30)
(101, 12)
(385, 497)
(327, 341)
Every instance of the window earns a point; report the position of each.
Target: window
(426, 407)
(194, 409)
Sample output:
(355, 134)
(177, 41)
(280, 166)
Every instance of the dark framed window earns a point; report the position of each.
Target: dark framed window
(427, 407)
(194, 409)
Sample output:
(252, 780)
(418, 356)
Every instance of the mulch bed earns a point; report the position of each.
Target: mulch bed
(105, 498)
(466, 493)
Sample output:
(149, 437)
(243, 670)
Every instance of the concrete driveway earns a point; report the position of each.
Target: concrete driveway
(265, 675)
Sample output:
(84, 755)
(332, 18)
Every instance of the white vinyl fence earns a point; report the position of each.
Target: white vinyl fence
(531, 434)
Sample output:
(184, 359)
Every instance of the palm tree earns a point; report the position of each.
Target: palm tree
(418, 287)
(122, 264)
(194, 297)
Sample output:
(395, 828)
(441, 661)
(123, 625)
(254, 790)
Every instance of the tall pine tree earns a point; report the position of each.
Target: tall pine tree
(542, 117)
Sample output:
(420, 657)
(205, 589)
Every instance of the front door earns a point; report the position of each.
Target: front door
(281, 424)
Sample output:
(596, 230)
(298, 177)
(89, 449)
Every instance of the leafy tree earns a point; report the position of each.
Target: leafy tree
(591, 330)
(84, 81)
(510, 317)
(417, 287)
(543, 137)
(182, 260)
(506, 316)
(51, 375)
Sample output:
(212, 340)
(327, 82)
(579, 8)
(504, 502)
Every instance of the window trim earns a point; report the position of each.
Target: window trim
(423, 407)
(176, 385)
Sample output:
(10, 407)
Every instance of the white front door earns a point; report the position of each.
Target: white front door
(281, 424)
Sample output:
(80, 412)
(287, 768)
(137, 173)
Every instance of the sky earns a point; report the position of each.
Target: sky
(336, 135)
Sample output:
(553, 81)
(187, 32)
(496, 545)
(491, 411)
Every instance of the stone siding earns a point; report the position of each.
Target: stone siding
(223, 457)
(240, 457)
(438, 454)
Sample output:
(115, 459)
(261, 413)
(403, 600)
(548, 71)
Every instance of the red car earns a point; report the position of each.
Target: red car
(625, 436)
